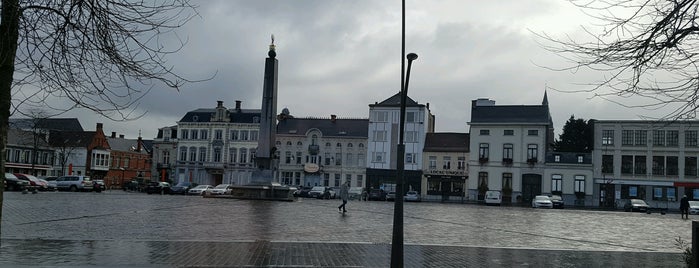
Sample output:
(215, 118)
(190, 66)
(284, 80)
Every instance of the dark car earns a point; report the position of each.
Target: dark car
(636, 205)
(302, 191)
(98, 185)
(377, 194)
(157, 187)
(132, 186)
(182, 187)
(12, 183)
(557, 201)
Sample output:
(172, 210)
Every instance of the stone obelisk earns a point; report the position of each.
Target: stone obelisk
(268, 121)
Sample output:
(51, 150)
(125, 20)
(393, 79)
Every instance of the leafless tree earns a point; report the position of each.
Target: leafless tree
(645, 50)
(102, 55)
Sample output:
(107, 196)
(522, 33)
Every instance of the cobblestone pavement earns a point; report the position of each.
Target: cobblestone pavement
(117, 228)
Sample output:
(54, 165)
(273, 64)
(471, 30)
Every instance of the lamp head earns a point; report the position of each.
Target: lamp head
(412, 56)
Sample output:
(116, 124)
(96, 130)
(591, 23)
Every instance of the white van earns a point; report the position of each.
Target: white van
(493, 198)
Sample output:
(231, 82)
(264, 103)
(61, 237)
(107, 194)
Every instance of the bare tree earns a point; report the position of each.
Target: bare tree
(646, 51)
(102, 55)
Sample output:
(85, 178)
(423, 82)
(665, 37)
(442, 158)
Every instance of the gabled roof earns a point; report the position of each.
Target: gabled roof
(337, 128)
(531, 114)
(61, 124)
(124, 145)
(25, 138)
(235, 115)
(447, 142)
(173, 132)
(394, 101)
(71, 138)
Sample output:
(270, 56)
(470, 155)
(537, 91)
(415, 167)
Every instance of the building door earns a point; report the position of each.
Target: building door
(446, 190)
(218, 179)
(531, 186)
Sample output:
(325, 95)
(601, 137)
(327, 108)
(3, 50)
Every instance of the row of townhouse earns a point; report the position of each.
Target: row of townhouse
(60, 146)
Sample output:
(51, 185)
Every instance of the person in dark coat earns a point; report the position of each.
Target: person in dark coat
(684, 207)
(344, 195)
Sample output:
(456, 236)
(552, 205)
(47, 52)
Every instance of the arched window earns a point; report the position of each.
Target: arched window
(339, 144)
(288, 143)
(314, 139)
(233, 155)
(299, 143)
(361, 145)
(327, 144)
(349, 145)
(279, 143)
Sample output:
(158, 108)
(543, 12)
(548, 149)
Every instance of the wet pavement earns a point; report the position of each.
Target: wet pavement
(117, 228)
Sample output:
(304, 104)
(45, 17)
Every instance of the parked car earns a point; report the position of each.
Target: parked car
(639, 205)
(391, 196)
(302, 191)
(34, 182)
(557, 201)
(12, 183)
(158, 187)
(49, 186)
(51, 182)
(412, 196)
(98, 185)
(355, 193)
(133, 185)
(316, 191)
(542, 201)
(74, 183)
(693, 207)
(220, 189)
(493, 198)
(328, 193)
(377, 194)
(200, 189)
(182, 187)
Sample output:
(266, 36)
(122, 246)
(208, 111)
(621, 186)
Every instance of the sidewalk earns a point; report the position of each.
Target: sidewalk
(134, 253)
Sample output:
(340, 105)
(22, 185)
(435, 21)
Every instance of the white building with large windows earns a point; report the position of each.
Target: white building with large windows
(651, 160)
(321, 151)
(217, 145)
(383, 134)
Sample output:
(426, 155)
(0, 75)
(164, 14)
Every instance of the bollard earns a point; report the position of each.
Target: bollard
(695, 244)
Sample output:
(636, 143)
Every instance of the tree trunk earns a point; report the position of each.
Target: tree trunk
(9, 33)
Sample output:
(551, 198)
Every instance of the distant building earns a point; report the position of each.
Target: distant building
(28, 152)
(217, 145)
(321, 151)
(129, 160)
(384, 120)
(81, 152)
(444, 166)
(165, 154)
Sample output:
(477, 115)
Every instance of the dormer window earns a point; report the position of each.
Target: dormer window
(557, 158)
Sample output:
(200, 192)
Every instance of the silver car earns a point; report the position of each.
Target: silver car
(542, 201)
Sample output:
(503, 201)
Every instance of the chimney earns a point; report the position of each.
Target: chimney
(333, 118)
(113, 135)
(138, 146)
(237, 105)
(121, 136)
(99, 126)
(219, 104)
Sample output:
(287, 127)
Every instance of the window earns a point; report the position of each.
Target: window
(607, 137)
(327, 144)
(410, 158)
(461, 165)
(326, 179)
(299, 143)
(349, 145)
(378, 157)
(664, 193)
(658, 137)
(299, 155)
(183, 154)
(690, 138)
(658, 165)
(202, 154)
(184, 134)
(348, 178)
(557, 158)
(410, 117)
(509, 132)
(339, 145)
(690, 166)
(195, 134)
(672, 138)
(579, 184)
(204, 134)
(532, 152)
(361, 145)
(361, 160)
(411, 136)
(217, 155)
(166, 157)
(433, 162)
(337, 179)
(338, 159)
(327, 159)
(627, 137)
(349, 160)
(640, 137)
(607, 163)
(254, 135)
(627, 164)
(360, 180)
(507, 181)
(287, 158)
(532, 132)
(379, 135)
(447, 162)
(232, 155)
(243, 155)
(556, 184)
(218, 134)
(234, 135)
(483, 152)
(639, 165)
(482, 182)
(244, 135)
(192, 154)
(380, 116)
(581, 158)
(485, 132)
(672, 165)
(507, 152)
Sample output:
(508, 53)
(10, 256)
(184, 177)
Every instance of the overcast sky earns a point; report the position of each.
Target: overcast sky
(337, 57)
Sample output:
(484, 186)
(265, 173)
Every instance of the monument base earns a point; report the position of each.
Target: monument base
(268, 191)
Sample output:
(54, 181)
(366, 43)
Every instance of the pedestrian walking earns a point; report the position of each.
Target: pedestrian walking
(684, 207)
(344, 195)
